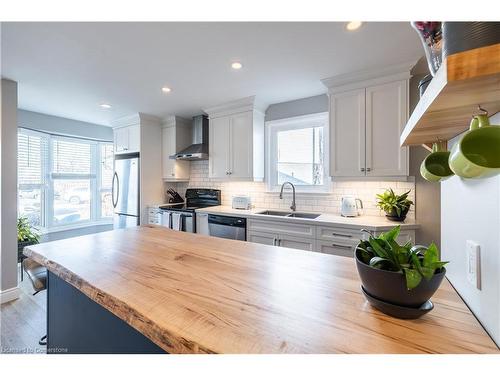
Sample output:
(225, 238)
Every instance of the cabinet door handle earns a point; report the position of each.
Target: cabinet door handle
(368, 169)
(342, 246)
(362, 169)
(341, 235)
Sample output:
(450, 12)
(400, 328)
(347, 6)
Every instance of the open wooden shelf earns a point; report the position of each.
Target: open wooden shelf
(464, 81)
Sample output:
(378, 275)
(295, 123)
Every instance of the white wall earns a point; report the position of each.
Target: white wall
(470, 210)
(8, 191)
(300, 107)
(63, 126)
(150, 165)
(329, 202)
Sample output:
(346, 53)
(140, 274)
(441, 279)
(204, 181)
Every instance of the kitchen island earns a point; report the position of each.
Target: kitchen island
(150, 289)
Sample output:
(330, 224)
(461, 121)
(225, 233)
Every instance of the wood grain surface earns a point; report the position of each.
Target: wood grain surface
(463, 81)
(190, 293)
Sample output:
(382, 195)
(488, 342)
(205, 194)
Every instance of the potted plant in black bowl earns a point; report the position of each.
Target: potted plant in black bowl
(26, 235)
(399, 279)
(396, 207)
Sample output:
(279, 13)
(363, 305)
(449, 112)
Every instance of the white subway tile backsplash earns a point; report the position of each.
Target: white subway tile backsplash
(330, 202)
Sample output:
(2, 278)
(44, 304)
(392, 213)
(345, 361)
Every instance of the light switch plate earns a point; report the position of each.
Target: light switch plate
(473, 263)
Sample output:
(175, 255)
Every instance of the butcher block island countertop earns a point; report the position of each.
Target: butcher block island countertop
(190, 293)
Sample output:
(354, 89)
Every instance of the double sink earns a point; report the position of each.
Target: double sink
(299, 215)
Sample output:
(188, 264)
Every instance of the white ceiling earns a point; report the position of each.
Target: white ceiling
(68, 69)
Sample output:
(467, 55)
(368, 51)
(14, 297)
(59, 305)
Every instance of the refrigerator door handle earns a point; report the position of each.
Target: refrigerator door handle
(113, 190)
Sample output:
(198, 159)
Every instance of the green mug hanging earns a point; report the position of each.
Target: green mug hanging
(477, 153)
(435, 167)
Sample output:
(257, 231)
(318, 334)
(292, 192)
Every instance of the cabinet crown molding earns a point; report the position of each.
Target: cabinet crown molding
(249, 103)
(368, 77)
(135, 119)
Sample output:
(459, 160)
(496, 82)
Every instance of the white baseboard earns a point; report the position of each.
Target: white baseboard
(9, 294)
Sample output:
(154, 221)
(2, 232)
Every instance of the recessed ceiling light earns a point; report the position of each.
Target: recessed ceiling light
(353, 25)
(166, 89)
(236, 65)
(105, 105)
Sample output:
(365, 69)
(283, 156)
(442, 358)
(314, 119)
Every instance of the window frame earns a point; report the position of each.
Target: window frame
(294, 123)
(47, 224)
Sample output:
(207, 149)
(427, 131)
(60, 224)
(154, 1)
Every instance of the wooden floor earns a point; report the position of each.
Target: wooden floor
(23, 322)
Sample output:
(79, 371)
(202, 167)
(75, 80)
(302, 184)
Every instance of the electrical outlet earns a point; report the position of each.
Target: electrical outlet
(473, 264)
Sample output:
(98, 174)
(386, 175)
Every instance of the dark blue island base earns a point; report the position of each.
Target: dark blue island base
(78, 325)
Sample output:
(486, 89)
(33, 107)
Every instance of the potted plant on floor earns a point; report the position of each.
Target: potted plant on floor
(396, 207)
(26, 235)
(399, 279)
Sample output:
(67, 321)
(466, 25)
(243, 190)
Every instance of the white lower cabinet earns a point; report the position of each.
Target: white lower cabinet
(262, 238)
(404, 236)
(153, 217)
(345, 248)
(327, 239)
(281, 228)
(202, 223)
(297, 243)
(276, 239)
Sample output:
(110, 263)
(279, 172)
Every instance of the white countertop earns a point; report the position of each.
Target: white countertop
(367, 222)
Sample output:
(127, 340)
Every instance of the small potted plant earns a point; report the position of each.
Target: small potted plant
(401, 275)
(396, 207)
(26, 235)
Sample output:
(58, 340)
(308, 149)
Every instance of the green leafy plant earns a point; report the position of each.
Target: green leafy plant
(25, 232)
(390, 200)
(415, 262)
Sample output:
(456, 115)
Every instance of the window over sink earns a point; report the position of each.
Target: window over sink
(297, 151)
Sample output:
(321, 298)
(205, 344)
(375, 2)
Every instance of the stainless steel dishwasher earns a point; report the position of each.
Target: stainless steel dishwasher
(234, 228)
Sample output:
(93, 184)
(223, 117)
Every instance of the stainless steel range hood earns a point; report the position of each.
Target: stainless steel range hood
(199, 149)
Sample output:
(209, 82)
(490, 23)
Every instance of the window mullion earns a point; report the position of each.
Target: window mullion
(49, 212)
(93, 182)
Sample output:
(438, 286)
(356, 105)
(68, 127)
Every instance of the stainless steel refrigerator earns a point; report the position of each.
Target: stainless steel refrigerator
(125, 191)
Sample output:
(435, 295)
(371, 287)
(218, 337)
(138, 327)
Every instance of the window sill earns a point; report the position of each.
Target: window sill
(64, 228)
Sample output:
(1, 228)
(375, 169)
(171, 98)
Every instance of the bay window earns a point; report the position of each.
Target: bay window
(63, 181)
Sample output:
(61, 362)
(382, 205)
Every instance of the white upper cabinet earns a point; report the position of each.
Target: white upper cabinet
(241, 145)
(347, 133)
(386, 115)
(176, 135)
(134, 138)
(368, 111)
(127, 139)
(219, 147)
(236, 141)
